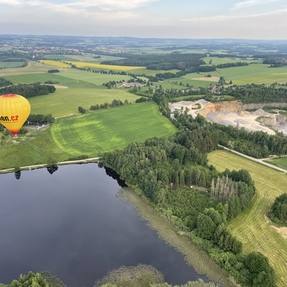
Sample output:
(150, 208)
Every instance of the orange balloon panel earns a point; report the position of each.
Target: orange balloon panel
(14, 111)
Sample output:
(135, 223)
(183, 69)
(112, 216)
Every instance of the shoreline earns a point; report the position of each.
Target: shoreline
(193, 255)
(43, 165)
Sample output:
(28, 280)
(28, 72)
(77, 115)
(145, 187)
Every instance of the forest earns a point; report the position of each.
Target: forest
(174, 176)
(255, 93)
(278, 212)
(160, 61)
(28, 90)
(256, 144)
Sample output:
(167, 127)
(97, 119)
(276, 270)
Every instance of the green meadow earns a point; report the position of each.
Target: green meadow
(106, 130)
(194, 80)
(254, 73)
(89, 135)
(65, 101)
(74, 88)
(93, 78)
(46, 77)
(280, 162)
(225, 60)
(31, 68)
(69, 78)
(252, 227)
(7, 65)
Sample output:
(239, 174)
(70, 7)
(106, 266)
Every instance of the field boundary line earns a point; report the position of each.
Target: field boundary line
(260, 161)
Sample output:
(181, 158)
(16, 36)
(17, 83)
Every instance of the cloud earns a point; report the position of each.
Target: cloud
(220, 18)
(70, 5)
(241, 4)
(109, 4)
(10, 2)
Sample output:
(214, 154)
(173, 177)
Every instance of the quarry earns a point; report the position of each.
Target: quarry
(235, 114)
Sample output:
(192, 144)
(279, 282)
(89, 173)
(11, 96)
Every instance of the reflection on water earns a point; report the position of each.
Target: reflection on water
(74, 225)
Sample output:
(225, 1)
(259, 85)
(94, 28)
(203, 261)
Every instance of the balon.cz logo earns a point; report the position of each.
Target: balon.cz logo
(8, 119)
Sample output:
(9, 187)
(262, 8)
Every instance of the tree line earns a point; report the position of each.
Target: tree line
(4, 82)
(278, 211)
(174, 175)
(28, 90)
(256, 144)
(258, 93)
(113, 104)
(160, 61)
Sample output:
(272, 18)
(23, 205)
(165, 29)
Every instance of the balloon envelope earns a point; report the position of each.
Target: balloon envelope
(14, 111)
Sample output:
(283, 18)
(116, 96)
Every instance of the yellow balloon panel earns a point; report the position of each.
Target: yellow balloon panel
(14, 111)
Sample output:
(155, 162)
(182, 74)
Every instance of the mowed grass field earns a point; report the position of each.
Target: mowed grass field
(91, 135)
(74, 88)
(65, 101)
(280, 162)
(195, 80)
(31, 68)
(224, 60)
(106, 130)
(6, 65)
(93, 78)
(252, 227)
(253, 73)
(69, 78)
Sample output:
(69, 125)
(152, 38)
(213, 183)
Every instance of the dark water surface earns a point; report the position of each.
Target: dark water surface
(74, 224)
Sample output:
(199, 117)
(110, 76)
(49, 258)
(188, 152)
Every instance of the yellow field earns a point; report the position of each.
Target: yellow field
(80, 64)
(252, 227)
(54, 63)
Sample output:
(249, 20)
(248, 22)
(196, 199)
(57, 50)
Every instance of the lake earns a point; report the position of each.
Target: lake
(75, 225)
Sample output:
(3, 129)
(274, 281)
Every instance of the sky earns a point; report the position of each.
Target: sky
(244, 19)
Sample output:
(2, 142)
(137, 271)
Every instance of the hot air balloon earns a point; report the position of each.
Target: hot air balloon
(14, 111)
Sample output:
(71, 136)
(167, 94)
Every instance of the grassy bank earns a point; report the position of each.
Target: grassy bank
(86, 135)
(193, 255)
(252, 226)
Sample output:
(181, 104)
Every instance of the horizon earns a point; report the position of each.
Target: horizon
(225, 19)
(146, 37)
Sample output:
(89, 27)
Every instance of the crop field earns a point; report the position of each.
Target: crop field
(280, 162)
(85, 57)
(7, 65)
(73, 89)
(70, 78)
(252, 226)
(32, 67)
(90, 134)
(147, 72)
(47, 77)
(93, 78)
(195, 80)
(224, 60)
(254, 73)
(99, 66)
(65, 101)
(56, 64)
